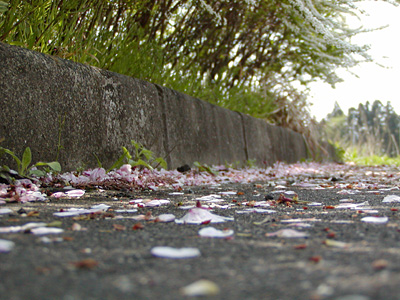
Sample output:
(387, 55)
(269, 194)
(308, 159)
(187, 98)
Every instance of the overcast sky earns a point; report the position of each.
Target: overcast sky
(374, 82)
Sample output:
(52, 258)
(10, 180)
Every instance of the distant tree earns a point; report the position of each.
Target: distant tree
(369, 129)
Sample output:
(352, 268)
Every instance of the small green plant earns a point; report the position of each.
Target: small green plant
(205, 168)
(24, 167)
(142, 157)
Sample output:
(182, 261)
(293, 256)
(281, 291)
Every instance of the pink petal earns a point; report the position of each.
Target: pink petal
(75, 193)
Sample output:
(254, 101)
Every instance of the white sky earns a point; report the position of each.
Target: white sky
(374, 82)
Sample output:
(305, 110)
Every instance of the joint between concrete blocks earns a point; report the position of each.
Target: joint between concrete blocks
(166, 144)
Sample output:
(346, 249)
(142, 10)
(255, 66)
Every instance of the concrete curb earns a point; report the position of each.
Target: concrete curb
(103, 111)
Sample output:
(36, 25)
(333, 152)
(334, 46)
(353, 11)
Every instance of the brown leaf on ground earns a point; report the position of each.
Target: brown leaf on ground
(88, 263)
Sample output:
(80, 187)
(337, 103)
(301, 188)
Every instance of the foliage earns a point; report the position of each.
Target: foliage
(142, 157)
(368, 131)
(24, 167)
(243, 55)
(372, 160)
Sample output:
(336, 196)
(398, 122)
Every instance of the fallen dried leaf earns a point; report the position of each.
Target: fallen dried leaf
(137, 226)
(88, 263)
(315, 259)
(119, 227)
(380, 264)
(300, 246)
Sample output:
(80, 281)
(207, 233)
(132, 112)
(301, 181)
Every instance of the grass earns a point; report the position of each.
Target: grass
(371, 160)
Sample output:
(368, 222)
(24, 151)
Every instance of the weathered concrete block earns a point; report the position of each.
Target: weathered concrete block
(231, 143)
(103, 110)
(191, 130)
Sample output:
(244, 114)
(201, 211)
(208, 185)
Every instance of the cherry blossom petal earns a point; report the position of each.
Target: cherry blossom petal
(199, 216)
(391, 199)
(46, 230)
(255, 210)
(175, 253)
(375, 220)
(211, 232)
(164, 218)
(288, 233)
(75, 193)
(5, 211)
(6, 245)
(59, 195)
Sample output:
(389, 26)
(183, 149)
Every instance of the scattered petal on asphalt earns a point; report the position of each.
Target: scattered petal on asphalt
(48, 240)
(5, 211)
(71, 212)
(314, 204)
(211, 198)
(351, 205)
(391, 198)
(227, 193)
(6, 245)
(211, 232)
(46, 230)
(75, 193)
(155, 203)
(164, 218)
(176, 253)
(127, 211)
(201, 288)
(376, 220)
(258, 203)
(288, 233)
(301, 220)
(27, 226)
(149, 203)
(199, 216)
(59, 195)
(255, 210)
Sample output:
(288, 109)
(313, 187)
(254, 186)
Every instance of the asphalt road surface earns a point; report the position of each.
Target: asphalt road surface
(315, 242)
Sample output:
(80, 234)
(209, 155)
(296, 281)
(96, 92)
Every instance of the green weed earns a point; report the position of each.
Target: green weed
(141, 157)
(24, 167)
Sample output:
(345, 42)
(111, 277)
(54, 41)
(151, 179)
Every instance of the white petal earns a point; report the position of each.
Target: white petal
(5, 211)
(169, 252)
(126, 210)
(199, 216)
(155, 203)
(211, 232)
(288, 233)
(376, 220)
(391, 198)
(201, 288)
(255, 210)
(46, 230)
(6, 246)
(166, 218)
